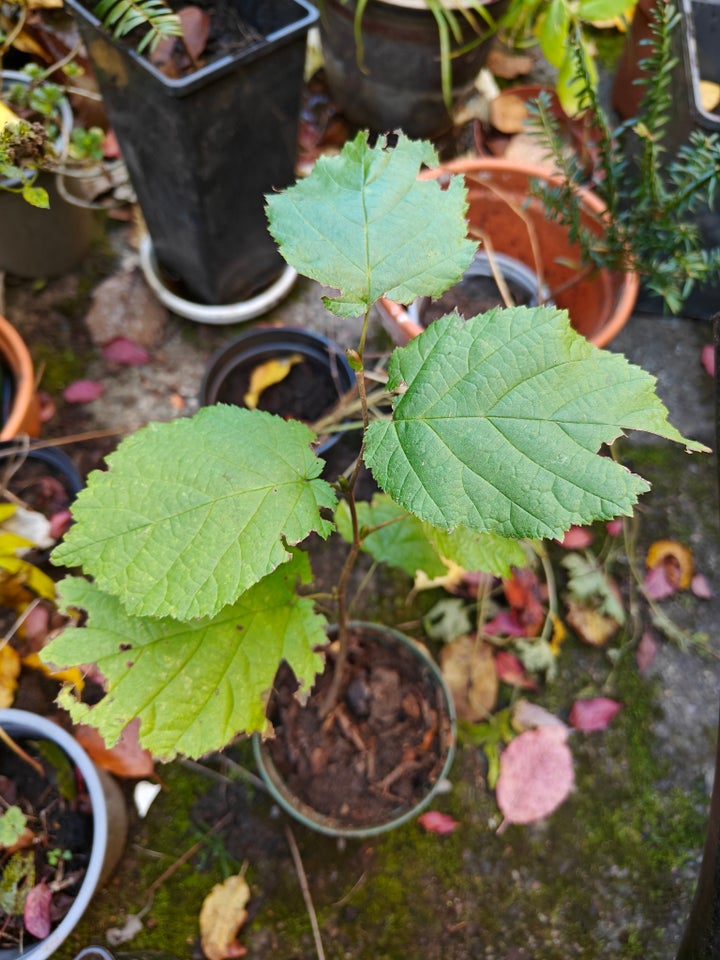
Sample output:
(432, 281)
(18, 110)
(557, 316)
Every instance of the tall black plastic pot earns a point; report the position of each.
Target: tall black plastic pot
(204, 149)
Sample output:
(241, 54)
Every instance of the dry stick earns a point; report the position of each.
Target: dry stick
(17, 749)
(19, 622)
(71, 438)
(302, 878)
(497, 275)
(166, 874)
(532, 234)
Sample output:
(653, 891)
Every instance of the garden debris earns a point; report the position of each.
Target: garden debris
(536, 775)
(593, 714)
(435, 822)
(125, 352)
(265, 375)
(223, 913)
(83, 391)
(468, 666)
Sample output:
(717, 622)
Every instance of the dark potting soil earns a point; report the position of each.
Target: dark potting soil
(376, 754)
(58, 815)
(306, 393)
(472, 296)
(33, 482)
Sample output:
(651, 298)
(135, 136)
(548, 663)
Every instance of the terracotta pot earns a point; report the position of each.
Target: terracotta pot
(599, 304)
(22, 413)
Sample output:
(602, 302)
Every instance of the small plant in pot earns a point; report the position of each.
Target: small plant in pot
(194, 537)
(652, 200)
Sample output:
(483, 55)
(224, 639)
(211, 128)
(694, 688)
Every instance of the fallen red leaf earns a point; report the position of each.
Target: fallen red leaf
(646, 651)
(125, 352)
(504, 623)
(614, 527)
(195, 29)
(126, 759)
(656, 584)
(700, 587)
(536, 774)
(523, 593)
(593, 714)
(510, 670)
(36, 913)
(83, 391)
(435, 822)
(59, 523)
(707, 358)
(577, 538)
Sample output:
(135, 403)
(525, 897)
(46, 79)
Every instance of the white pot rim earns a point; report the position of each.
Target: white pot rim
(20, 723)
(422, 4)
(214, 314)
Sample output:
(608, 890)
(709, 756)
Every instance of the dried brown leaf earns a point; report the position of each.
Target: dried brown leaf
(221, 916)
(469, 669)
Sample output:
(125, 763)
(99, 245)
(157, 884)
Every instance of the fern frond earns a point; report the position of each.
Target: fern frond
(121, 17)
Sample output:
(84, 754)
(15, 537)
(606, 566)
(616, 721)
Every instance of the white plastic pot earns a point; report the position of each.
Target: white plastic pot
(109, 824)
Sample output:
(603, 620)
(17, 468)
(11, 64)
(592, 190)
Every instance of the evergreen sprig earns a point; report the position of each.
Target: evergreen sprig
(121, 17)
(650, 200)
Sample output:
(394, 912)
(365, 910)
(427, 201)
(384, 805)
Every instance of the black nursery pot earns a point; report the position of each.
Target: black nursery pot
(398, 83)
(204, 149)
(311, 389)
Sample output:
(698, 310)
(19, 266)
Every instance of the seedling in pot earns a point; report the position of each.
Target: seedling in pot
(193, 536)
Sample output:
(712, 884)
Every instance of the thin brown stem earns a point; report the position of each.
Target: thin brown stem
(305, 888)
(18, 750)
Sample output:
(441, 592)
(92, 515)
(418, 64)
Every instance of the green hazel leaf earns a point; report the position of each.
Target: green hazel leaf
(193, 512)
(601, 10)
(362, 223)
(497, 423)
(473, 550)
(406, 542)
(402, 540)
(194, 686)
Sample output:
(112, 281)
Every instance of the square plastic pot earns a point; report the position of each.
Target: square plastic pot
(204, 149)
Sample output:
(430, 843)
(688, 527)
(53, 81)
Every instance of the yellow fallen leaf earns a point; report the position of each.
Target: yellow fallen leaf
(677, 560)
(9, 673)
(265, 375)
(72, 676)
(221, 916)
(7, 115)
(709, 95)
(590, 624)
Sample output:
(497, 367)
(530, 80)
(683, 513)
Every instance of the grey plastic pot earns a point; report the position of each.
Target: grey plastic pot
(109, 825)
(300, 811)
(43, 243)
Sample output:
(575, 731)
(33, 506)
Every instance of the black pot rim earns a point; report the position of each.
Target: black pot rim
(261, 343)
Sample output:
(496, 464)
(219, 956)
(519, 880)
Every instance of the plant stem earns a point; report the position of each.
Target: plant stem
(333, 692)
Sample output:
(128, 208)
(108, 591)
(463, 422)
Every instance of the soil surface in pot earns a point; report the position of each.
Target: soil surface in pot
(54, 851)
(306, 393)
(376, 754)
(473, 295)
